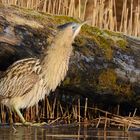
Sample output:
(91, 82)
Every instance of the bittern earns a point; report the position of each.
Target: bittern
(27, 81)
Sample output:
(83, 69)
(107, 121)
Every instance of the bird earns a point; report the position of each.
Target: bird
(28, 80)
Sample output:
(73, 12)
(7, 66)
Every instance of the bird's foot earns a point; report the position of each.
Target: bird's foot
(31, 124)
(39, 124)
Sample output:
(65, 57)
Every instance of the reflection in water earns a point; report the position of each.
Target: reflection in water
(64, 133)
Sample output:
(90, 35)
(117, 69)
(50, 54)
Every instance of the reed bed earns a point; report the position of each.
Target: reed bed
(75, 111)
(102, 15)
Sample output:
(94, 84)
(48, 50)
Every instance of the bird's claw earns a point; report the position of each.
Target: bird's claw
(38, 124)
(30, 124)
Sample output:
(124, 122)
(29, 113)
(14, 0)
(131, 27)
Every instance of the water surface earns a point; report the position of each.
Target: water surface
(64, 133)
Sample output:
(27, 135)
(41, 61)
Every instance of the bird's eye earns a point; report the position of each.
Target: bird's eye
(73, 27)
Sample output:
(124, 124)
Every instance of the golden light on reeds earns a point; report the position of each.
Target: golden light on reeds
(103, 15)
(55, 111)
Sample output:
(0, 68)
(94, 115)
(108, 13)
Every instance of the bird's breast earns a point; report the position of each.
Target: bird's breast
(56, 67)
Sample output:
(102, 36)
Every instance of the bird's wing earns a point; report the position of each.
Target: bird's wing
(20, 78)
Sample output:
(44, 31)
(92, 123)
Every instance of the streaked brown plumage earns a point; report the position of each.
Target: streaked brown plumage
(27, 81)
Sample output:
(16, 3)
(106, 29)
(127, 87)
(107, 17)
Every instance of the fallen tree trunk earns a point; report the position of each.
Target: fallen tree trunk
(104, 67)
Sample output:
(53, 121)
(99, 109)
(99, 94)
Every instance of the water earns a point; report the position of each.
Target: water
(64, 133)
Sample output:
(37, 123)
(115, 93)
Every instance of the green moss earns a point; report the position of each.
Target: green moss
(32, 14)
(117, 38)
(86, 51)
(108, 81)
(121, 43)
(111, 33)
(76, 76)
(124, 89)
(63, 19)
(81, 45)
(80, 41)
(37, 16)
(66, 81)
(105, 45)
(91, 30)
(104, 39)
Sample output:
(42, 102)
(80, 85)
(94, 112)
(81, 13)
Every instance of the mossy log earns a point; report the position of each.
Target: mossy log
(105, 66)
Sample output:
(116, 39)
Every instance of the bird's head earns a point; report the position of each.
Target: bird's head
(71, 29)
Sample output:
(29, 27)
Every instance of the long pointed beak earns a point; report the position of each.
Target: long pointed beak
(78, 28)
(83, 23)
(80, 25)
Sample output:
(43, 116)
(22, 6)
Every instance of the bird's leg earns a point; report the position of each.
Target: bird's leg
(23, 120)
(10, 116)
(20, 115)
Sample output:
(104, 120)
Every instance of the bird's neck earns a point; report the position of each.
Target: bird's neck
(55, 63)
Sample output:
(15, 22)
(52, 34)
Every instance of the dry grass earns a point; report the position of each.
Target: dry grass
(103, 14)
(56, 112)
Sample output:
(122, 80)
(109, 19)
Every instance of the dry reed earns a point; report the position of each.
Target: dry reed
(55, 111)
(103, 15)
